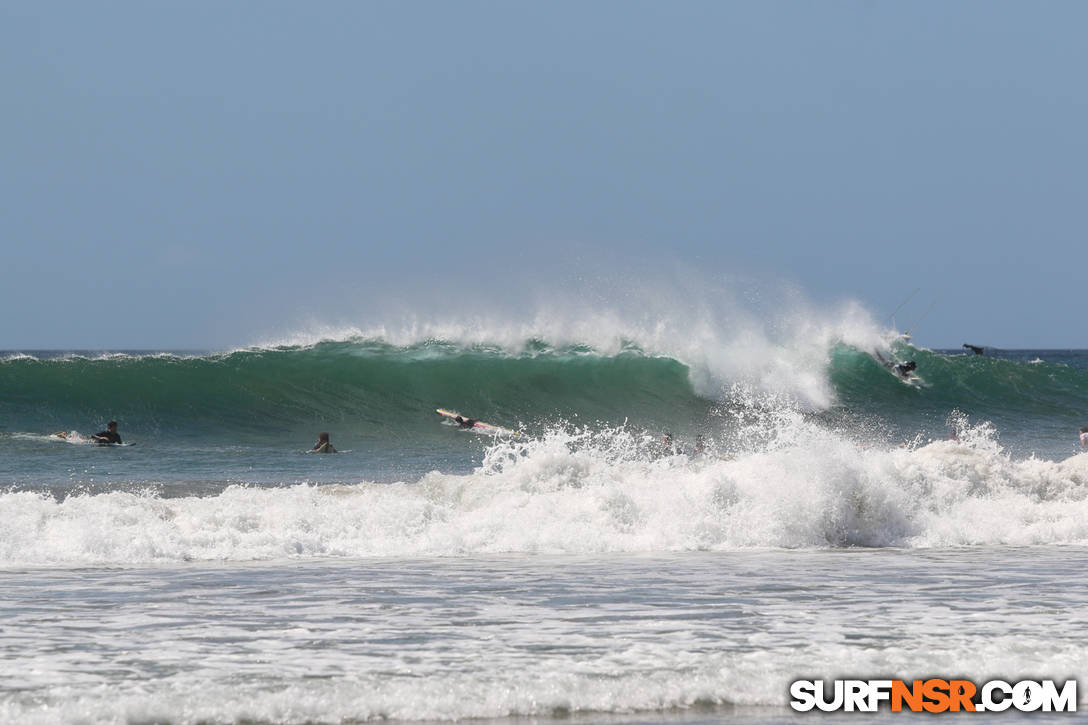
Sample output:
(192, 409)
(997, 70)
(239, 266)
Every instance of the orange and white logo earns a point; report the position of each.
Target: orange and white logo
(933, 695)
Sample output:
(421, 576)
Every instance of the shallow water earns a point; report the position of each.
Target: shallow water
(691, 637)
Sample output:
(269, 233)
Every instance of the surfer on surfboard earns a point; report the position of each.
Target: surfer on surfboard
(466, 423)
(108, 436)
(323, 445)
(904, 370)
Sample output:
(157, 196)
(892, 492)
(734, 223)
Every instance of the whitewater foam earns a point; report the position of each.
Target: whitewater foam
(587, 492)
(496, 637)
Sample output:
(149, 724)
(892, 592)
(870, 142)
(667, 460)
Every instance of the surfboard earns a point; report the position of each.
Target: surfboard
(911, 379)
(77, 439)
(478, 424)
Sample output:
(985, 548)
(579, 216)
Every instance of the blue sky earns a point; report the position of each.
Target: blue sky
(198, 174)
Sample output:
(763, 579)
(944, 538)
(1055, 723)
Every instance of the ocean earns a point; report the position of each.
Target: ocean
(812, 518)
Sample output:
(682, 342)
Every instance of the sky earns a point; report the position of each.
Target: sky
(206, 174)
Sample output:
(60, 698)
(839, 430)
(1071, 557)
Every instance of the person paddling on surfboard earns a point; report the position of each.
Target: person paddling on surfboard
(323, 445)
(108, 436)
(469, 423)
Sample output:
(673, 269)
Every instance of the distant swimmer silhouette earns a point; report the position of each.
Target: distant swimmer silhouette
(464, 422)
(973, 348)
(1084, 436)
(700, 446)
(109, 436)
(669, 446)
(323, 445)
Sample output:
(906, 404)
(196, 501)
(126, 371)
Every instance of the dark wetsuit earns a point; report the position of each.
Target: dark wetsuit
(108, 437)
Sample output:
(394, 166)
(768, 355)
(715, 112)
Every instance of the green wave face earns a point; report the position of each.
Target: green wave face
(996, 386)
(388, 394)
(363, 387)
(1037, 397)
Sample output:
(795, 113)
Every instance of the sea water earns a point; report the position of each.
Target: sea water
(212, 571)
(680, 637)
